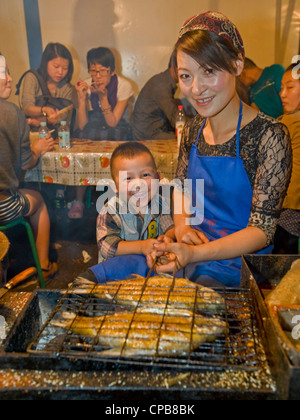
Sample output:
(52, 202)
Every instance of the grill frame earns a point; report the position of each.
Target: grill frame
(192, 363)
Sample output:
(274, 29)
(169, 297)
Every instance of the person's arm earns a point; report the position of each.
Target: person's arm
(246, 241)
(110, 243)
(124, 94)
(183, 230)
(144, 247)
(39, 147)
(82, 95)
(30, 153)
(31, 89)
(112, 117)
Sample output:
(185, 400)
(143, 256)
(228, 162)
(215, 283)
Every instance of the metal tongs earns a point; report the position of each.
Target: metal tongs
(151, 269)
(174, 272)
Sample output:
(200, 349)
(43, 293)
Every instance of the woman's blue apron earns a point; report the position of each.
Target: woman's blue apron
(227, 207)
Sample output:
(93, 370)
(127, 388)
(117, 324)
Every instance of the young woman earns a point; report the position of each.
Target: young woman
(47, 90)
(243, 156)
(103, 101)
(288, 232)
(16, 155)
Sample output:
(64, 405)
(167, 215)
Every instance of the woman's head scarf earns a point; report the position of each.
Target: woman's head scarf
(217, 23)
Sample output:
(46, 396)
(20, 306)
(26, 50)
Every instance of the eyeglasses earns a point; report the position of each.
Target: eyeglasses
(102, 72)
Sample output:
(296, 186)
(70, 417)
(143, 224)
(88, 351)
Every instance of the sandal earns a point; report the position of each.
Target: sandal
(76, 211)
(50, 272)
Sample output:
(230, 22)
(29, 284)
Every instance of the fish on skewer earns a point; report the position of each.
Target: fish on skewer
(157, 292)
(171, 332)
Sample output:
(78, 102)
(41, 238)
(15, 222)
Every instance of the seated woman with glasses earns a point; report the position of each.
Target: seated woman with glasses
(103, 99)
(103, 108)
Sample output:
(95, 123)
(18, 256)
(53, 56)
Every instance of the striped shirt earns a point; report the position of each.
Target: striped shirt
(13, 207)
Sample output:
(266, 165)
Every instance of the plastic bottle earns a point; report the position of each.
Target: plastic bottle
(43, 131)
(64, 136)
(180, 122)
(60, 202)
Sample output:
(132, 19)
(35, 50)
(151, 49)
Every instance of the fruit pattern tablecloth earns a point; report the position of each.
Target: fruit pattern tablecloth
(88, 162)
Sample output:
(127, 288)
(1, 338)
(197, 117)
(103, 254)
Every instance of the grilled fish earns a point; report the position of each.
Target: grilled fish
(145, 333)
(157, 292)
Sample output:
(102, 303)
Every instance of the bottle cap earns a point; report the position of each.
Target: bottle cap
(180, 106)
(43, 124)
(63, 123)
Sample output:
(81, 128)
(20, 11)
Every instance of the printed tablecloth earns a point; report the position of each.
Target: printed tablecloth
(88, 162)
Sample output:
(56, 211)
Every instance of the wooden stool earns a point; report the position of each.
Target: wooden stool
(4, 247)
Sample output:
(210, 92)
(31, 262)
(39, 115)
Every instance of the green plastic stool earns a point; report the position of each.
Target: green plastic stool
(23, 222)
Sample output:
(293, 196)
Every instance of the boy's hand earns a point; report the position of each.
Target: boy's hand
(147, 246)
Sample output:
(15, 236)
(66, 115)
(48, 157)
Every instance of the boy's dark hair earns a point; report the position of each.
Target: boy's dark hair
(129, 150)
(102, 56)
(52, 51)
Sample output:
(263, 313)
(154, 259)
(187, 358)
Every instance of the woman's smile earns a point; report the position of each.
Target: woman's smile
(204, 101)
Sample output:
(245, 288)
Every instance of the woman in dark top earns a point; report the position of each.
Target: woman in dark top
(243, 156)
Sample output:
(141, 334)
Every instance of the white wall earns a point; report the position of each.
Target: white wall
(141, 32)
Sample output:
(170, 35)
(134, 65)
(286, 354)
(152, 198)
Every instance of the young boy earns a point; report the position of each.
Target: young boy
(138, 217)
(134, 220)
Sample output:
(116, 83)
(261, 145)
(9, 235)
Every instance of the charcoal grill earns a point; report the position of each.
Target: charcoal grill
(238, 347)
(233, 366)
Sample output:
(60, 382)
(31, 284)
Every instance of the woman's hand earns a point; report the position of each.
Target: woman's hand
(171, 256)
(165, 239)
(100, 90)
(189, 236)
(82, 90)
(52, 115)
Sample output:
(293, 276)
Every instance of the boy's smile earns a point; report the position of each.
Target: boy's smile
(133, 179)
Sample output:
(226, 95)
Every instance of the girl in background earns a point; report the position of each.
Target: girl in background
(48, 89)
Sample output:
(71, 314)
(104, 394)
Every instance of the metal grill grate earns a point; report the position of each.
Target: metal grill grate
(220, 331)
